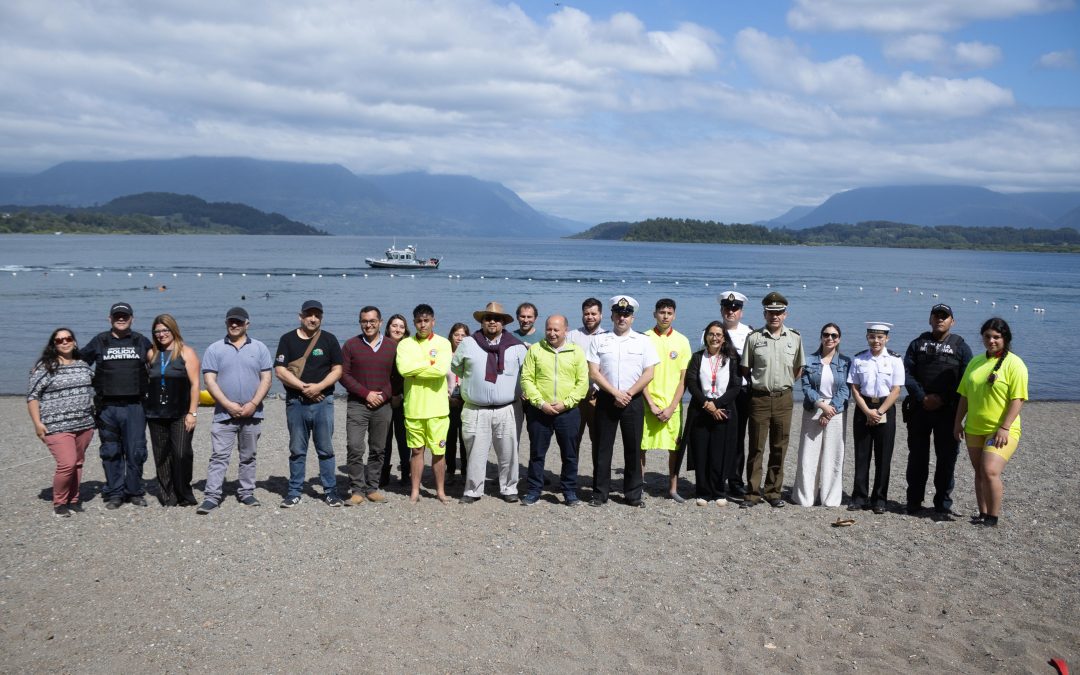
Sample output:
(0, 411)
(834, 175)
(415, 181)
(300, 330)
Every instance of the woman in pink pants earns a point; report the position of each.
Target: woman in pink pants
(61, 404)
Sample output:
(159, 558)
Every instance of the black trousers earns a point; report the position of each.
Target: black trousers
(922, 425)
(738, 458)
(875, 441)
(455, 444)
(396, 432)
(173, 458)
(631, 421)
(714, 449)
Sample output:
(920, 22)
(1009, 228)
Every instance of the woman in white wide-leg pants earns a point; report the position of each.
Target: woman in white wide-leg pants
(819, 477)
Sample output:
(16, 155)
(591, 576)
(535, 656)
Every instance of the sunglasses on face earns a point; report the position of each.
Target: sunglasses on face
(730, 307)
(121, 317)
(63, 340)
(830, 336)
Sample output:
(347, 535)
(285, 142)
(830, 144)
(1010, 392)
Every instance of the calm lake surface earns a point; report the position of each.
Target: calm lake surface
(71, 280)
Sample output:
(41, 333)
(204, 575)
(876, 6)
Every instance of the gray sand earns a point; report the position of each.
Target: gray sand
(499, 587)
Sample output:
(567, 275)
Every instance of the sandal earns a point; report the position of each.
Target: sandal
(844, 522)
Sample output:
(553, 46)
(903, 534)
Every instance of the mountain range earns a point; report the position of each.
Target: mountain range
(931, 205)
(327, 196)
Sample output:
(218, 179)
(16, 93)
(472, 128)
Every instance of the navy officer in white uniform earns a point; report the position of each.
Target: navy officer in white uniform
(621, 364)
(876, 376)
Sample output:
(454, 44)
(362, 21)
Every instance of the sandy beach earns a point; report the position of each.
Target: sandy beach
(495, 587)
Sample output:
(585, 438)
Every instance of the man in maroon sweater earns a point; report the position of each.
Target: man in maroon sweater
(368, 361)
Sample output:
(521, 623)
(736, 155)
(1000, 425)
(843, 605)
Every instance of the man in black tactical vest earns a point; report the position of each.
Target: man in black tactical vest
(118, 357)
(934, 363)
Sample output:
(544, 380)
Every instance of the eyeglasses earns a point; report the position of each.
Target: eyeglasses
(121, 317)
(63, 340)
(163, 331)
(830, 336)
(714, 336)
(729, 307)
(492, 317)
(235, 322)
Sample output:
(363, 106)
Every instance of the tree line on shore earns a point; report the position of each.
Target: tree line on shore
(883, 234)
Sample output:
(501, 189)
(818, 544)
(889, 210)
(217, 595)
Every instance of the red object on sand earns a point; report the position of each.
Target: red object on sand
(1062, 667)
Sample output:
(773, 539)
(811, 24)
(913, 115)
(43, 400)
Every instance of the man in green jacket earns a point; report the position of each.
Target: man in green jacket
(554, 379)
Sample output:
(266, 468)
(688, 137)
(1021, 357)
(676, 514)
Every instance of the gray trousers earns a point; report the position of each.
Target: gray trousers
(244, 434)
(483, 429)
(365, 429)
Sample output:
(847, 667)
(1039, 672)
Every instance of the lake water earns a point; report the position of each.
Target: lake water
(48, 281)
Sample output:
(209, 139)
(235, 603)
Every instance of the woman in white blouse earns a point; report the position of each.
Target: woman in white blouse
(712, 378)
(819, 477)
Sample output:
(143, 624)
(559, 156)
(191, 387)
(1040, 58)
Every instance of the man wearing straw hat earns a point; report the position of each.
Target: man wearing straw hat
(489, 364)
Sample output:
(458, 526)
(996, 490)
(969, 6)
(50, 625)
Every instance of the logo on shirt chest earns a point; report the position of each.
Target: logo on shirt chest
(317, 352)
(673, 355)
(433, 353)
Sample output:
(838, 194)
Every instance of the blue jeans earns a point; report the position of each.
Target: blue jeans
(122, 430)
(317, 421)
(565, 429)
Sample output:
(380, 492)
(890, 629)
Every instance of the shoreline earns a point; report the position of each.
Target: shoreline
(695, 589)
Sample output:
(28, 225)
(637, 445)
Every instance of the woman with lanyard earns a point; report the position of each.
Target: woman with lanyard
(455, 442)
(60, 401)
(171, 405)
(825, 397)
(992, 392)
(712, 378)
(875, 378)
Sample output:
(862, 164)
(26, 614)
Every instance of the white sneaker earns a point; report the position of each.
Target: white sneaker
(702, 502)
(721, 502)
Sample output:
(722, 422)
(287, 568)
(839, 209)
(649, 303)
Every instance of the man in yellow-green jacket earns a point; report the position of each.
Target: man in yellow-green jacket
(423, 361)
(554, 379)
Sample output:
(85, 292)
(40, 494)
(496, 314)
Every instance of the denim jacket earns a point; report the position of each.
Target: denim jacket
(811, 380)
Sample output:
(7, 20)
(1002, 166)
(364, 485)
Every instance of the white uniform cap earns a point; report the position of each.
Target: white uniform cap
(878, 327)
(624, 304)
(731, 296)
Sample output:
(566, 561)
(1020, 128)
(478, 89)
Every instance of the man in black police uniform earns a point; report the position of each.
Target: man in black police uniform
(934, 363)
(119, 360)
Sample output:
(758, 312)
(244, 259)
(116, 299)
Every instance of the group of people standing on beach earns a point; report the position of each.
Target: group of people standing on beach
(460, 397)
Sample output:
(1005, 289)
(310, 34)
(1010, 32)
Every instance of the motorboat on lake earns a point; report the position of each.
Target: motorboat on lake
(403, 258)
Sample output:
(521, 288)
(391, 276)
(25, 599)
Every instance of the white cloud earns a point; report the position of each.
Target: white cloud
(848, 83)
(934, 49)
(909, 16)
(588, 117)
(1064, 59)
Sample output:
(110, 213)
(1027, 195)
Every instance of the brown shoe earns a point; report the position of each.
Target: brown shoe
(355, 500)
(376, 497)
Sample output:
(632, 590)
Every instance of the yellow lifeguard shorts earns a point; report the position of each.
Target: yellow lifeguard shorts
(981, 442)
(428, 433)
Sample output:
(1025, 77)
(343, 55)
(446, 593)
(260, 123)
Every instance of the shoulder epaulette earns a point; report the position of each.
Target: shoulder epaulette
(865, 351)
(793, 330)
(892, 353)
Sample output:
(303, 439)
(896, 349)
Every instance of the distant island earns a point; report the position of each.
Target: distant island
(149, 213)
(881, 234)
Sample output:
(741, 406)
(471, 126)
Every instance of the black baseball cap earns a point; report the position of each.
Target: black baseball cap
(311, 304)
(121, 308)
(941, 308)
(237, 313)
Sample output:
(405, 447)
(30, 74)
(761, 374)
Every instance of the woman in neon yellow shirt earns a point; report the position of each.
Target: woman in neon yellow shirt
(992, 391)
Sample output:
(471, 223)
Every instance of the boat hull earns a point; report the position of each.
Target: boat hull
(399, 265)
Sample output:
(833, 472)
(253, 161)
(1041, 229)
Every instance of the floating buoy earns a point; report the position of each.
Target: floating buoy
(99, 274)
(174, 274)
(151, 274)
(243, 274)
(71, 274)
(804, 285)
(294, 275)
(768, 285)
(860, 289)
(198, 274)
(707, 285)
(734, 284)
(129, 274)
(221, 274)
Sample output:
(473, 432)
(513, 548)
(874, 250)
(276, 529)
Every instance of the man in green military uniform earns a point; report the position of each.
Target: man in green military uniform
(772, 360)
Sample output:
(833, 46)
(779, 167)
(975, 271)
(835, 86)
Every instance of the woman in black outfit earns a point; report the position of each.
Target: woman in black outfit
(171, 405)
(712, 378)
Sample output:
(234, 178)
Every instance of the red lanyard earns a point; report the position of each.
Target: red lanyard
(715, 361)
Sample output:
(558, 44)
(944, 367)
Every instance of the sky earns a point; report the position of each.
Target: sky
(595, 110)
